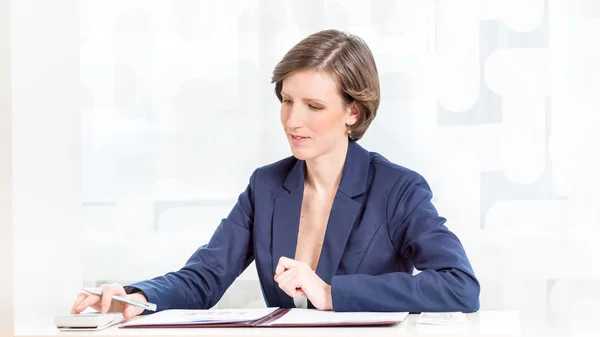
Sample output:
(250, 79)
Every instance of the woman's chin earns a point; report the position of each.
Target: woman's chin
(300, 154)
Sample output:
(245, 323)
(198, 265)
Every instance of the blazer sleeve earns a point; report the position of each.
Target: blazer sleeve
(446, 281)
(212, 268)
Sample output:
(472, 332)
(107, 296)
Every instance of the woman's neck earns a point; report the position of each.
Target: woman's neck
(323, 174)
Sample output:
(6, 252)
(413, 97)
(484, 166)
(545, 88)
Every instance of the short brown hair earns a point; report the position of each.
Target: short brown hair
(346, 58)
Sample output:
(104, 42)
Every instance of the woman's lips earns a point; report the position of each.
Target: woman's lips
(295, 139)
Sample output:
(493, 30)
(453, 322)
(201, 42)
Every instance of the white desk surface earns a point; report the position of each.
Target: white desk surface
(483, 323)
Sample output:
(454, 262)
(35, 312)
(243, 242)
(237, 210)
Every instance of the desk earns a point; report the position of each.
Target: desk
(484, 323)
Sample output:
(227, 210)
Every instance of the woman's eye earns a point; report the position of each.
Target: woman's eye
(314, 107)
(286, 101)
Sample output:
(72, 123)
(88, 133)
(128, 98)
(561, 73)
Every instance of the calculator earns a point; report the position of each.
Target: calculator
(88, 321)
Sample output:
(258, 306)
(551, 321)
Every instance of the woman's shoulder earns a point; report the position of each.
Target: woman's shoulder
(386, 170)
(403, 187)
(275, 172)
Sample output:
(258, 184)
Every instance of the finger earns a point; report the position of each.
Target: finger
(130, 311)
(107, 294)
(284, 263)
(290, 282)
(118, 289)
(82, 296)
(287, 289)
(300, 281)
(299, 292)
(90, 300)
(280, 268)
(291, 287)
(284, 277)
(277, 277)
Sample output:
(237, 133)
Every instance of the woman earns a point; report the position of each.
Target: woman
(334, 226)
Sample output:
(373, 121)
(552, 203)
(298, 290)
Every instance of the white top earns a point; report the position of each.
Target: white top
(301, 302)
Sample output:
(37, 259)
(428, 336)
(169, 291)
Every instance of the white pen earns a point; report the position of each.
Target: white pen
(123, 299)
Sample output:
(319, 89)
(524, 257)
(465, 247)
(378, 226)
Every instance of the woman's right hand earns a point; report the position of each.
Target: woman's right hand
(105, 304)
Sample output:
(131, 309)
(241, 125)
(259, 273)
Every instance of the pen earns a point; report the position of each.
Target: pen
(123, 299)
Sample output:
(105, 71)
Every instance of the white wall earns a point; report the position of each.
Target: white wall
(6, 251)
(492, 101)
(46, 159)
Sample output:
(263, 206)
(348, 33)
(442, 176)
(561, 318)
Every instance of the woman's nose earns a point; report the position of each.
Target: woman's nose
(296, 117)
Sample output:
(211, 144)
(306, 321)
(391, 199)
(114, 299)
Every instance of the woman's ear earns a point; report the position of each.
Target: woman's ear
(353, 113)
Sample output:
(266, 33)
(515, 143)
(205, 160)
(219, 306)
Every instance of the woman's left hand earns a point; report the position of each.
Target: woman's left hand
(297, 278)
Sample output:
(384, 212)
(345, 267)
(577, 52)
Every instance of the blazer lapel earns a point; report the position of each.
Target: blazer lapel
(342, 217)
(341, 221)
(286, 221)
(344, 211)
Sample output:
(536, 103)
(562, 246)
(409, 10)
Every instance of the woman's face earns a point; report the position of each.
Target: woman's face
(313, 114)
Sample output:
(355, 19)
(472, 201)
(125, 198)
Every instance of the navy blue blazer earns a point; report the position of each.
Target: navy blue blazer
(382, 225)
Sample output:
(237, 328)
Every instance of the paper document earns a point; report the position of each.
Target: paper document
(272, 317)
(442, 318)
(182, 317)
(316, 317)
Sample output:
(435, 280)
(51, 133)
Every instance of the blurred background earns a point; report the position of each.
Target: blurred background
(493, 101)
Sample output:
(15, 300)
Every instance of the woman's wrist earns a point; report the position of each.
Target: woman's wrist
(138, 296)
(328, 297)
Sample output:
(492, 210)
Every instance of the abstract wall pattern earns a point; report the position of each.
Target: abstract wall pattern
(493, 101)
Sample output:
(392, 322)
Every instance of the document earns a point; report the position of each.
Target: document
(316, 317)
(183, 317)
(268, 317)
(442, 318)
